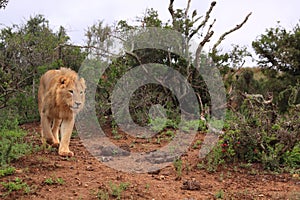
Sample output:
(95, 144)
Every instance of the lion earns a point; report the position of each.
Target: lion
(61, 96)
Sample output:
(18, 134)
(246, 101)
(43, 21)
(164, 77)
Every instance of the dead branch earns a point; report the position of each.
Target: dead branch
(171, 10)
(205, 20)
(208, 35)
(206, 39)
(187, 9)
(135, 56)
(222, 37)
(259, 98)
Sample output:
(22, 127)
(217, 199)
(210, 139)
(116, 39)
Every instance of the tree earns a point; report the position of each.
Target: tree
(3, 4)
(279, 49)
(188, 24)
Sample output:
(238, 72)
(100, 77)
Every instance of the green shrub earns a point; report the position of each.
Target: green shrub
(292, 158)
(116, 190)
(8, 119)
(7, 171)
(260, 135)
(16, 185)
(12, 145)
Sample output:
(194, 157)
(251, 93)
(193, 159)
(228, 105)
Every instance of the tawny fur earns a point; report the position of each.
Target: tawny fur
(61, 96)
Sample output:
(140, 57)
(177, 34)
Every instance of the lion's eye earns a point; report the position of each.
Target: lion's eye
(81, 92)
(71, 91)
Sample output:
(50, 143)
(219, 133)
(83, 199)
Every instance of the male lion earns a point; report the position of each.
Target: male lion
(61, 96)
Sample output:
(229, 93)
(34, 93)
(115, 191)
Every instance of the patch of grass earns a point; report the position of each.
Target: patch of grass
(158, 124)
(219, 194)
(115, 132)
(214, 159)
(178, 166)
(49, 181)
(54, 181)
(197, 144)
(246, 165)
(116, 190)
(16, 185)
(60, 181)
(74, 134)
(102, 195)
(201, 165)
(7, 171)
(193, 125)
(147, 187)
(169, 133)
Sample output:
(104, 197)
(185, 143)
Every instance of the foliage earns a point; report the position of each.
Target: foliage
(7, 171)
(116, 190)
(16, 185)
(12, 145)
(234, 59)
(282, 88)
(177, 163)
(151, 94)
(54, 181)
(219, 194)
(26, 52)
(260, 135)
(257, 132)
(279, 49)
(102, 195)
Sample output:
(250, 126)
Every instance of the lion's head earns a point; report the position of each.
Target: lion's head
(71, 91)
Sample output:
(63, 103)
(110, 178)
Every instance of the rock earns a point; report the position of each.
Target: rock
(190, 185)
(113, 151)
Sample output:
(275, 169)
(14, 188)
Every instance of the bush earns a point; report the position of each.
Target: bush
(12, 145)
(260, 135)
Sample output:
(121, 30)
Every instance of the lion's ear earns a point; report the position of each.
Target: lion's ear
(82, 81)
(63, 80)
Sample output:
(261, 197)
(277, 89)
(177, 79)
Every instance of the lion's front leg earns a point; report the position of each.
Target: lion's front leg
(66, 132)
(55, 131)
(46, 131)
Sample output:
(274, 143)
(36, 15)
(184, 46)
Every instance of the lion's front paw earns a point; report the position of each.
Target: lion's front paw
(55, 145)
(66, 154)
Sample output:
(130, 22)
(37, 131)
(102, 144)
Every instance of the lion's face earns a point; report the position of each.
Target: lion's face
(72, 93)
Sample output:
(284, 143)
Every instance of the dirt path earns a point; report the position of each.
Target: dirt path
(83, 177)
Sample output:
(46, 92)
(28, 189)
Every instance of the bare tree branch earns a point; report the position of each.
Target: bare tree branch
(222, 37)
(205, 20)
(206, 39)
(171, 10)
(208, 35)
(136, 57)
(187, 9)
(259, 98)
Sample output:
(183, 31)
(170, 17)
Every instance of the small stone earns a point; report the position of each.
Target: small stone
(19, 171)
(295, 175)
(190, 185)
(89, 168)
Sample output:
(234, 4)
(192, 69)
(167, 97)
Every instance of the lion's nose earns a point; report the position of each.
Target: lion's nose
(78, 104)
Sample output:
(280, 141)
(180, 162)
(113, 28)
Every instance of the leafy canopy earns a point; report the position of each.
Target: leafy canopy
(279, 49)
